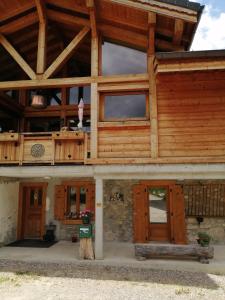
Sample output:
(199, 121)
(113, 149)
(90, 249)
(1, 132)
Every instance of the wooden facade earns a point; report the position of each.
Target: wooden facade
(165, 107)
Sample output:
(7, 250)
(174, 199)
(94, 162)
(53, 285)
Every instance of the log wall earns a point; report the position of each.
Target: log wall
(124, 142)
(191, 114)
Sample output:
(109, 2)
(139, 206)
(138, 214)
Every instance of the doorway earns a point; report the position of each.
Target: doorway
(32, 203)
(158, 212)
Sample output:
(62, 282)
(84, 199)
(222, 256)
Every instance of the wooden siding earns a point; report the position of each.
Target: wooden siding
(124, 142)
(191, 111)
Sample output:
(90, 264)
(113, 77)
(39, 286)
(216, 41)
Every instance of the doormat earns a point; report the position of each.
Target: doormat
(32, 243)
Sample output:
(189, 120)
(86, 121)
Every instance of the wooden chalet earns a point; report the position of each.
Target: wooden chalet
(149, 160)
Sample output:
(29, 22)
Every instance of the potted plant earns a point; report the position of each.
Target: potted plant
(85, 216)
(203, 239)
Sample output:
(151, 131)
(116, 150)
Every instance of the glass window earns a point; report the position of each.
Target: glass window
(82, 198)
(72, 202)
(76, 93)
(124, 106)
(117, 59)
(158, 205)
(76, 201)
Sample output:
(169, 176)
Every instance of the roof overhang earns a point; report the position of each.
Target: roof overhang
(189, 61)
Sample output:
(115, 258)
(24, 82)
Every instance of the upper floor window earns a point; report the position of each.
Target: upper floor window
(117, 59)
(129, 106)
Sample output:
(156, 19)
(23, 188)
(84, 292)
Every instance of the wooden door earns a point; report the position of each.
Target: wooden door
(159, 213)
(140, 214)
(178, 224)
(32, 211)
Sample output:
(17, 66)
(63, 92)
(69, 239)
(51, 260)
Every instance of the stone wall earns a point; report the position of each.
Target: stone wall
(215, 227)
(118, 210)
(205, 198)
(9, 191)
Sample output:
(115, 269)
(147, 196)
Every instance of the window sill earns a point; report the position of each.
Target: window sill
(124, 123)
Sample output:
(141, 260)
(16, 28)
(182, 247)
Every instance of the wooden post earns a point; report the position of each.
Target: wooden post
(41, 53)
(86, 249)
(94, 72)
(152, 86)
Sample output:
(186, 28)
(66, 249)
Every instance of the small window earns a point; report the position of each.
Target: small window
(77, 93)
(117, 59)
(123, 107)
(76, 201)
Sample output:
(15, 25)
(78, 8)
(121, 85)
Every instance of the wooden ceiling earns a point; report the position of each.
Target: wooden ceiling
(117, 22)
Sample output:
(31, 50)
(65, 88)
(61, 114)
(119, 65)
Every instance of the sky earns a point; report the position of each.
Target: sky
(211, 30)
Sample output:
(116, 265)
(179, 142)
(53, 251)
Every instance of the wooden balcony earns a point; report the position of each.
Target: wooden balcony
(44, 148)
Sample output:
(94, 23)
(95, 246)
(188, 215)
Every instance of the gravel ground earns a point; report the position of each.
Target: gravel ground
(64, 282)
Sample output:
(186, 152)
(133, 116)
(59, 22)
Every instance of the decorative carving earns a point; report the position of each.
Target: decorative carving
(37, 150)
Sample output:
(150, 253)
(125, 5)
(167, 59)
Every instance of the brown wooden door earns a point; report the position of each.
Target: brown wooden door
(33, 212)
(140, 214)
(159, 214)
(178, 224)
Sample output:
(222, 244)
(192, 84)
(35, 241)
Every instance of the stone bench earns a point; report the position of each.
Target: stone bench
(144, 251)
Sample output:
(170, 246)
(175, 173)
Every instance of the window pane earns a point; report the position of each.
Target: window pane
(82, 198)
(125, 106)
(71, 202)
(118, 59)
(87, 94)
(158, 205)
(76, 93)
(73, 95)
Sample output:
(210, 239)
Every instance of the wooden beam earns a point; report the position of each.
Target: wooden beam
(41, 53)
(152, 86)
(93, 19)
(42, 45)
(94, 120)
(17, 57)
(178, 31)
(66, 53)
(66, 18)
(69, 82)
(40, 4)
(19, 24)
(10, 106)
(186, 66)
(161, 8)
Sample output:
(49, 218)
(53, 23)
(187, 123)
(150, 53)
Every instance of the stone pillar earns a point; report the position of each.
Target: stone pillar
(99, 219)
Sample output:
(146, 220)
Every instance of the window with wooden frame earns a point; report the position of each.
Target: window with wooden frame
(116, 58)
(125, 106)
(73, 197)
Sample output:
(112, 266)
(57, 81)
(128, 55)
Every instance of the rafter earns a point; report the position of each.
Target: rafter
(178, 31)
(17, 57)
(19, 24)
(66, 53)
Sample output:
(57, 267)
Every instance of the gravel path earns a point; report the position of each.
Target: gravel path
(65, 283)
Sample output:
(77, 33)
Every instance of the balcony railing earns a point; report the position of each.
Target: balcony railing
(44, 148)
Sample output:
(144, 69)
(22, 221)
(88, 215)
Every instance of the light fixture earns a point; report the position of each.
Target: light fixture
(38, 100)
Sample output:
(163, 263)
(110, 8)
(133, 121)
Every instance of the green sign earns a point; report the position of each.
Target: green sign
(85, 231)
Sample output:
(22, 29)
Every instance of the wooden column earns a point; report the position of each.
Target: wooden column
(99, 219)
(94, 72)
(152, 85)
